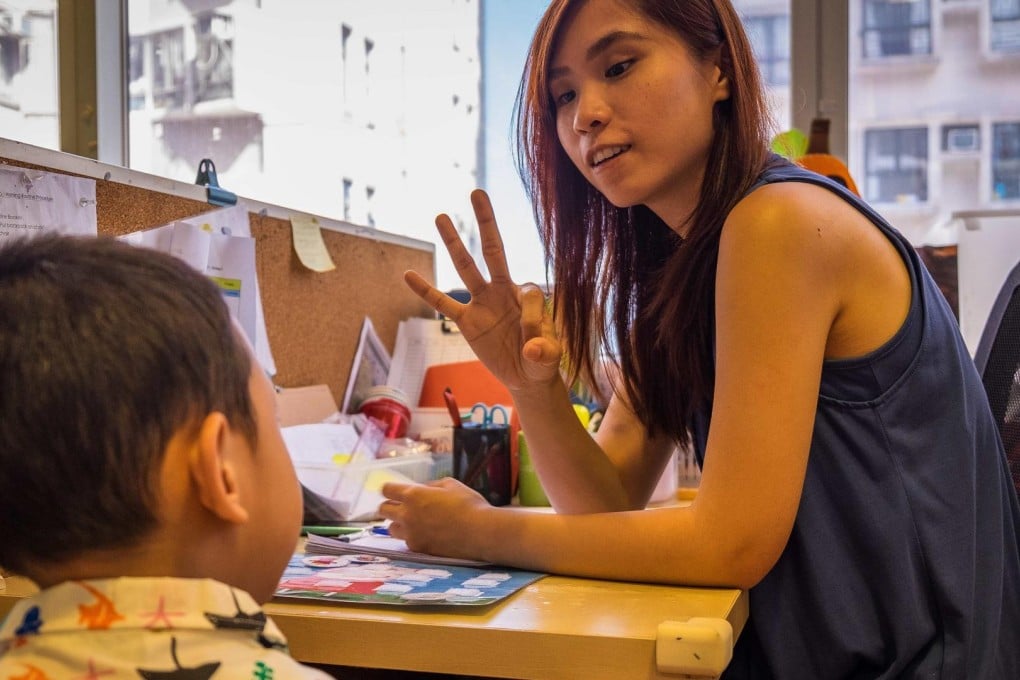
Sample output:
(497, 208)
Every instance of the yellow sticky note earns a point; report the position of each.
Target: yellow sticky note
(308, 244)
(375, 479)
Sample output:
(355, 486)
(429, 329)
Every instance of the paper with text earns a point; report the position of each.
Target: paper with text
(34, 202)
(229, 261)
(234, 221)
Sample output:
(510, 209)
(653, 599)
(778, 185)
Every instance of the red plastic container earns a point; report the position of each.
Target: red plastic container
(389, 406)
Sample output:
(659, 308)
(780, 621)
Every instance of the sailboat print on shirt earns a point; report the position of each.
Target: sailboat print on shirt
(240, 620)
(203, 672)
(30, 623)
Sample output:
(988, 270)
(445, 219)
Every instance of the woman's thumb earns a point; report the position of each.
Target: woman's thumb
(541, 351)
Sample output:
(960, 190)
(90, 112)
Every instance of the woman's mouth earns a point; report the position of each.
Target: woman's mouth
(607, 153)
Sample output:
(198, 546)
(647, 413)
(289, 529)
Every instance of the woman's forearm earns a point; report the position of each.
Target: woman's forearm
(576, 474)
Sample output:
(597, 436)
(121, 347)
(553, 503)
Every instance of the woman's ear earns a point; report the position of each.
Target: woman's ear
(213, 470)
(719, 60)
(722, 84)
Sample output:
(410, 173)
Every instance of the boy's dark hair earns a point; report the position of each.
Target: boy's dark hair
(107, 351)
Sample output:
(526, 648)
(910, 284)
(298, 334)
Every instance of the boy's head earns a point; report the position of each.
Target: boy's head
(135, 429)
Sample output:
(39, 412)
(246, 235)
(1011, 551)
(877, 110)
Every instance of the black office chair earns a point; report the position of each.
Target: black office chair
(998, 362)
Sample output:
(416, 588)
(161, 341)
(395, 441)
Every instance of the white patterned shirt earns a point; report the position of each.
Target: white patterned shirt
(153, 628)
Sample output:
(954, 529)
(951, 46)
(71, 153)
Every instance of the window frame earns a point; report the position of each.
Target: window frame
(1012, 163)
(869, 29)
(923, 133)
(997, 20)
(772, 60)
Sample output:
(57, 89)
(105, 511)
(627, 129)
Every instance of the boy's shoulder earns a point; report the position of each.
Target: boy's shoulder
(144, 624)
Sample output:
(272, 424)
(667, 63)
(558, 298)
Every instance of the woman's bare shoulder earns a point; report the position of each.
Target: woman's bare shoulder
(795, 207)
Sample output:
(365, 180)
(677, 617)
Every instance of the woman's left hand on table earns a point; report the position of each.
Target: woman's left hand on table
(431, 518)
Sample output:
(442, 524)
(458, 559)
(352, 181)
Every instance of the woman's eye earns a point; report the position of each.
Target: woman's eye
(618, 68)
(564, 98)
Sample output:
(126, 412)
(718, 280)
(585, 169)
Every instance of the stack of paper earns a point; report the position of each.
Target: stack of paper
(379, 546)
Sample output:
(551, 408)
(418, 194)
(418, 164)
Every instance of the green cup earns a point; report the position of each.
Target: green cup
(529, 488)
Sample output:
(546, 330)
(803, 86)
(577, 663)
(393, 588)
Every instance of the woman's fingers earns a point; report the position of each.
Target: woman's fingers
(459, 255)
(492, 248)
(492, 242)
(542, 351)
(439, 301)
(532, 310)
(540, 343)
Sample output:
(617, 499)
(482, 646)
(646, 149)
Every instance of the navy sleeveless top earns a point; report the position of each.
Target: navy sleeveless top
(904, 559)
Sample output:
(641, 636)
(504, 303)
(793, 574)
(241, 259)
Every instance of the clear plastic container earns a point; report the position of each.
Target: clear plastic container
(352, 491)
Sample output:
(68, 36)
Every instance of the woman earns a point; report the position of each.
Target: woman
(852, 476)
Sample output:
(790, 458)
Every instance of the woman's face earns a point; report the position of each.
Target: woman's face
(633, 107)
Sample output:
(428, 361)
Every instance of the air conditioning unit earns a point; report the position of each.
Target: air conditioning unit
(963, 139)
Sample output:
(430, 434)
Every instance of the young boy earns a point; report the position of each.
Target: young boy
(144, 484)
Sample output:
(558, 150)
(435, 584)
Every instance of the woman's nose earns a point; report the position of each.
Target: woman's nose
(592, 112)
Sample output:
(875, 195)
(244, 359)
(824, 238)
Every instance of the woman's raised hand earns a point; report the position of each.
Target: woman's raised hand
(508, 326)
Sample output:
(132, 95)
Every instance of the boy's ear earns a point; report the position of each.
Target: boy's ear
(213, 471)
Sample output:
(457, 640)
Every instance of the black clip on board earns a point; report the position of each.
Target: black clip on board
(215, 194)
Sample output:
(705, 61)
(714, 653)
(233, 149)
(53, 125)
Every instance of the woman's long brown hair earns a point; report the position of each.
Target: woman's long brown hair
(624, 283)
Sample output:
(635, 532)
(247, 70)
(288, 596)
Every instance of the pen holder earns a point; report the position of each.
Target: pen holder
(481, 460)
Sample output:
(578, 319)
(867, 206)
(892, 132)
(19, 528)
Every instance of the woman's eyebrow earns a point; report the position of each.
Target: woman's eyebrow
(597, 48)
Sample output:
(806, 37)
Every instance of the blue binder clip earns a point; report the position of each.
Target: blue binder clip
(215, 194)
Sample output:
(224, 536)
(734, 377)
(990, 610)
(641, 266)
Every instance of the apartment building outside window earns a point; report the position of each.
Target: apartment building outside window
(168, 69)
(28, 72)
(896, 165)
(348, 185)
(1005, 33)
(214, 60)
(1006, 160)
(345, 38)
(770, 37)
(894, 28)
(961, 139)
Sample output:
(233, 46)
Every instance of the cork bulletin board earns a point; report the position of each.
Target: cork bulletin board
(313, 319)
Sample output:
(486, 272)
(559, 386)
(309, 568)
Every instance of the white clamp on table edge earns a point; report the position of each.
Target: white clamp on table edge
(695, 648)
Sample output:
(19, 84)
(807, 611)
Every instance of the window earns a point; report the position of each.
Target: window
(136, 72)
(770, 37)
(214, 57)
(896, 28)
(28, 73)
(345, 38)
(168, 69)
(961, 138)
(1006, 161)
(347, 198)
(1005, 34)
(896, 165)
(369, 195)
(369, 46)
(369, 103)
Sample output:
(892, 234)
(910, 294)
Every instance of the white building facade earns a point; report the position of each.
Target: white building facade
(28, 88)
(935, 108)
(368, 112)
